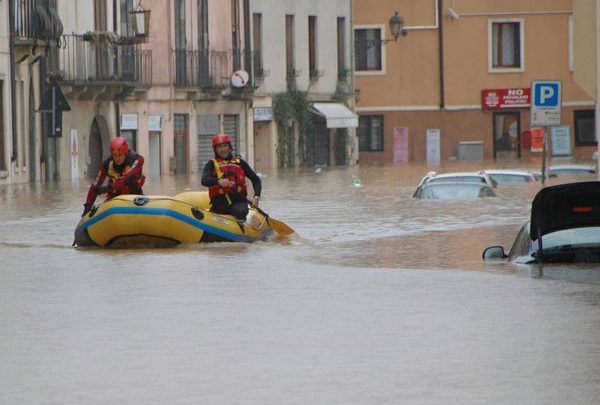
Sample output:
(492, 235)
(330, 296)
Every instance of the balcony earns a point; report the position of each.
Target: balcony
(206, 71)
(101, 69)
(35, 20)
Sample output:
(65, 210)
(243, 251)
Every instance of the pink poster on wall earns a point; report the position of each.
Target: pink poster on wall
(400, 145)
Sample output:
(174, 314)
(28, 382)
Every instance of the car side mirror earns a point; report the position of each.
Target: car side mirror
(494, 253)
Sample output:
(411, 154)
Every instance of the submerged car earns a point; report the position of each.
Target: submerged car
(564, 227)
(468, 177)
(453, 191)
(571, 170)
(502, 176)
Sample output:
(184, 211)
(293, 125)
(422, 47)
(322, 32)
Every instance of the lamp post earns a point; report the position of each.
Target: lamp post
(140, 21)
(396, 25)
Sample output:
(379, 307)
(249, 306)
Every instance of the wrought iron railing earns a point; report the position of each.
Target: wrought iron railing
(78, 60)
(35, 19)
(206, 68)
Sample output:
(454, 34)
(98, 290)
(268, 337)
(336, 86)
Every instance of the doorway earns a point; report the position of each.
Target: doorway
(507, 135)
(154, 158)
(32, 131)
(181, 140)
(94, 150)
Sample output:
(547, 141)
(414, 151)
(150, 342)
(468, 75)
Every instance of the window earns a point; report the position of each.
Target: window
(126, 26)
(2, 159)
(290, 64)
(368, 49)
(203, 24)
(370, 133)
(203, 42)
(100, 15)
(585, 131)
(312, 47)
(257, 45)
(341, 48)
(506, 44)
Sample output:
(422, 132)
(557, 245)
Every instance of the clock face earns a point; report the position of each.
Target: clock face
(239, 78)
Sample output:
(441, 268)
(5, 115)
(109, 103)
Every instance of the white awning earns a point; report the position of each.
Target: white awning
(337, 115)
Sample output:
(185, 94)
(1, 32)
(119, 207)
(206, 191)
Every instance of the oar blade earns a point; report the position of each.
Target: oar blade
(281, 228)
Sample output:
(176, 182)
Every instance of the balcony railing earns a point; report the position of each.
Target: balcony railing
(206, 68)
(78, 60)
(36, 19)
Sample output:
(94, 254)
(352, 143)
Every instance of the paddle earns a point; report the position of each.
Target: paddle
(279, 227)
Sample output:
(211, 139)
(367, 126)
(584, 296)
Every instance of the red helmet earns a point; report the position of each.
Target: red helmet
(119, 146)
(219, 139)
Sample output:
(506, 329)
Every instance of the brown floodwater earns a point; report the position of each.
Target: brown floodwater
(379, 298)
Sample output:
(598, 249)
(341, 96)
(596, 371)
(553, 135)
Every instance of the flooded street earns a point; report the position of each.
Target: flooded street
(380, 299)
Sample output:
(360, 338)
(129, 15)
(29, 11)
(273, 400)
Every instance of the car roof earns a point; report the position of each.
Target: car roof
(508, 172)
(565, 206)
(573, 167)
(459, 174)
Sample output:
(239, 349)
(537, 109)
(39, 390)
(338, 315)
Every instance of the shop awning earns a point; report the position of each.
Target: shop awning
(337, 115)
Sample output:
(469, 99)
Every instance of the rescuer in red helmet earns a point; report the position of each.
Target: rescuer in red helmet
(120, 174)
(225, 177)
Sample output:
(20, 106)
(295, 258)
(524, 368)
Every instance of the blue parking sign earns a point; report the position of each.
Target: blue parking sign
(546, 103)
(546, 94)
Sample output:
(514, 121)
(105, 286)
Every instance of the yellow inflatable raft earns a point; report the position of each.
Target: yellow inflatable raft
(162, 221)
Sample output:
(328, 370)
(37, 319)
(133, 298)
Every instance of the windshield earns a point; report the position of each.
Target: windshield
(509, 178)
(572, 238)
(467, 179)
(456, 191)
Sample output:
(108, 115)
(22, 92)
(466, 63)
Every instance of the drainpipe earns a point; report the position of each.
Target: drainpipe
(13, 98)
(597, 115)
(441, 53)
(355, 152)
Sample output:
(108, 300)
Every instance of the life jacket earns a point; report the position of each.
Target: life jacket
(117, 172)
(232, 171)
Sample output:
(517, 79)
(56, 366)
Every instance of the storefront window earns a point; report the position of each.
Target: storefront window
(370, 133)
(585, 133)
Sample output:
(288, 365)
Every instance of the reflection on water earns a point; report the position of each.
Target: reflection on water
(348, 311)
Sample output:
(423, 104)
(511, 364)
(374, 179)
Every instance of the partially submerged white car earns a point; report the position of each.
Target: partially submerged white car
(564, 227)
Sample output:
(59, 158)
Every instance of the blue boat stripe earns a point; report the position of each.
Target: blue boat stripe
(169, 213)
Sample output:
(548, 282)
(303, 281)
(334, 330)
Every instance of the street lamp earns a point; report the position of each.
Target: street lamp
(140, 21)
(397, 26)
(396, 23)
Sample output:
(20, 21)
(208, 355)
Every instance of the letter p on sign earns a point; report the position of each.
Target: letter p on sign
(546, 94)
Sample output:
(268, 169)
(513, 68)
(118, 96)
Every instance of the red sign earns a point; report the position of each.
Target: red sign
(537, 139)
(497, 99)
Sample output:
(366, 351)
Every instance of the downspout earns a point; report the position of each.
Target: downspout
(597, 112)
(355, 151)
(13, 98)
(248, 103)
(441, 53)
(247, 44)
(116, 101)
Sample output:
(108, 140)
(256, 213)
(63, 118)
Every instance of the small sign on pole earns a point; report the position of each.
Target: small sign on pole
(546, 103)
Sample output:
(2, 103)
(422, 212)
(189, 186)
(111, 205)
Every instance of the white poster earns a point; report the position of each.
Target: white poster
(433, 147)
(154, 123)
(129, 121)
(74, 156)
(561, 141)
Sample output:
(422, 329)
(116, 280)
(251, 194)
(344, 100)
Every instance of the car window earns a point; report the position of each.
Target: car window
(509, 178)
(468, 179)
(521, 244)
(589, 236)
(452, 191)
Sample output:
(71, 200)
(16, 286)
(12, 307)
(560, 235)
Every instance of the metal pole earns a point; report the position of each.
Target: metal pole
(544, 159)
(54, 133)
